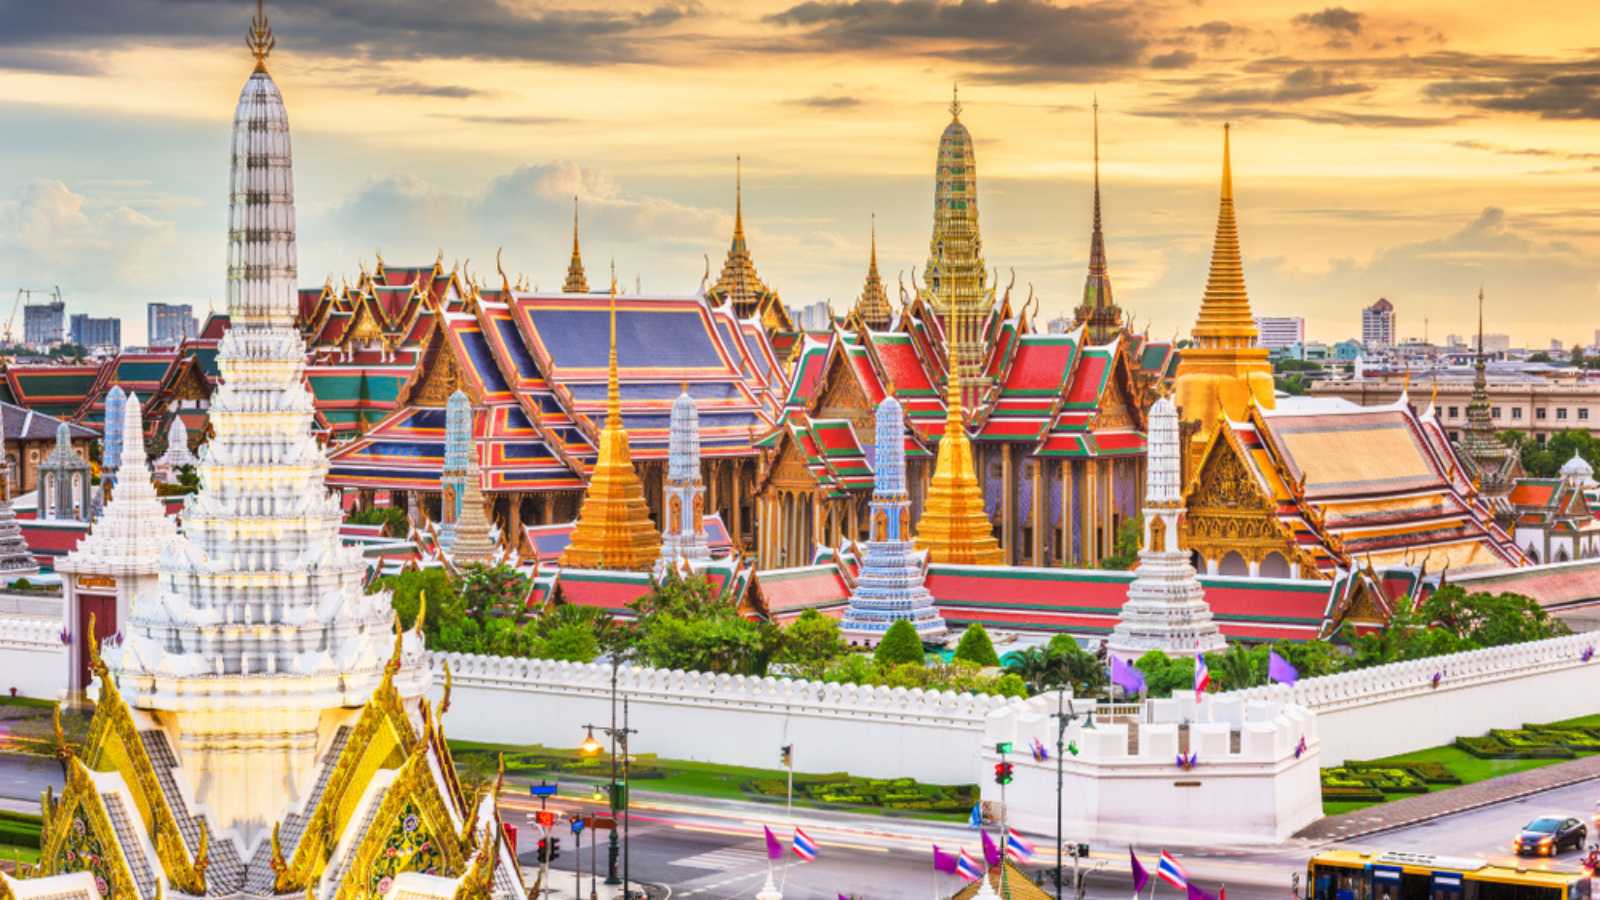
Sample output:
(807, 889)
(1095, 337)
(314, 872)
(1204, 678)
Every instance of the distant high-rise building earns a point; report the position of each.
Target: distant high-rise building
(96, 333)
(1377, 325)
(42, 323)
(1280, 332)
(1496, 343)
(812, 317)
(167, 324)
(1064, 324)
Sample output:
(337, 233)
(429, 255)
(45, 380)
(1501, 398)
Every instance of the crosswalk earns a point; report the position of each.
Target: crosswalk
(725, 860)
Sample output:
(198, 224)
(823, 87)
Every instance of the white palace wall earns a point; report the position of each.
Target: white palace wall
(32, 657)
(875, 732)
(1397, 708)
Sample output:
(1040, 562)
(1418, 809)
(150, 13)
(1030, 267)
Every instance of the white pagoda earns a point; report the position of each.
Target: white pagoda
(177, 454)
(1166, 608)
(683, 537)
(261, 729)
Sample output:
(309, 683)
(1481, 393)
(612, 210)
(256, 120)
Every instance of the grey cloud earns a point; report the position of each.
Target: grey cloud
(826, 102)
(1333, 18)
(50, 62)
(1546, 152)
(1561, 94)
(1305, 83)
(405, 29)
(1014, 40)
(489, 119)
(418, 89)
(1177, 59)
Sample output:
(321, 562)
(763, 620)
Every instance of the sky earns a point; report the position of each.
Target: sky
(1414, 151)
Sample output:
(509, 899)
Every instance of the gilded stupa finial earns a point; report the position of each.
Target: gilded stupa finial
(738, 197)
(259, 38)
(955, 101)
(613, 387)
(577, 282)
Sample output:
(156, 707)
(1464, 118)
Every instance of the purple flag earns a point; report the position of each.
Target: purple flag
(1196, 894)
(1279, 669)
(944, 862)
(774, 846)
(991, 850)
(1140, 876)
(1126, 676)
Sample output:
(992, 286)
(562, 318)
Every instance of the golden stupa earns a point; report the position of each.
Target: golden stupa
(1224, 370)
(954, 527)
(614, 530)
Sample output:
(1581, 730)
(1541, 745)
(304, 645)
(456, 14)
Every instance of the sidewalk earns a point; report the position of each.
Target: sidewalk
(1433, 805)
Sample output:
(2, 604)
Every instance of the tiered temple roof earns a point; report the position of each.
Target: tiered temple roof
(738, 286)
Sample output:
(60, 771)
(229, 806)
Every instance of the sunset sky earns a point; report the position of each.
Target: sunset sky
(1408, 150)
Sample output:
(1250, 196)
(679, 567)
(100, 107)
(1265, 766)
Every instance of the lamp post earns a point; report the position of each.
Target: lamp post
(615, 846)
(1064, 715)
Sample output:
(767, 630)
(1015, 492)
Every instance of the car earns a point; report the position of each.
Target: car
(1549, 835)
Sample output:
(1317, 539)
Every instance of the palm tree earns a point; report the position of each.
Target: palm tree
(1235, 669)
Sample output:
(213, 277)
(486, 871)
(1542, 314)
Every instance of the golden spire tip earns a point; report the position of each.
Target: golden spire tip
(1227, 164)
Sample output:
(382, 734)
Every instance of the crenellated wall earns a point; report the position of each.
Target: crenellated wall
(1251, 782)
(32, 657)
(1398, 708)
(932, 736)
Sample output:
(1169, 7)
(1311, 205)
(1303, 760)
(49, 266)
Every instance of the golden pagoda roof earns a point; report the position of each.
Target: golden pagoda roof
(613, 530)
(1225, 319)
(954, 527)
(873, 304)
(739, 284)
(577, 282)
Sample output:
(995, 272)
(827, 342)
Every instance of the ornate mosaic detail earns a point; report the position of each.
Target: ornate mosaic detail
(409, 847)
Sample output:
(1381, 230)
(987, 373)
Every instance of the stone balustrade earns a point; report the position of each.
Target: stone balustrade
(32, 658)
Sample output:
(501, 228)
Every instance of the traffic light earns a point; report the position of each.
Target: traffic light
(549, 849)
(1002, 773)
(786, 755)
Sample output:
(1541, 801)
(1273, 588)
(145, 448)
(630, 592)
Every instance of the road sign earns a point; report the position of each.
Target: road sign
(577, 825)
(543, 789)
(599, 822)
(545, 817)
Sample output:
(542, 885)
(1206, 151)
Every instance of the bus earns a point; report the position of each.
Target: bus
(1358, 875)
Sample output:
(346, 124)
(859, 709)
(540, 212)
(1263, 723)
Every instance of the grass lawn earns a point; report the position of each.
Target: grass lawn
(1470, 769)
(668, 776)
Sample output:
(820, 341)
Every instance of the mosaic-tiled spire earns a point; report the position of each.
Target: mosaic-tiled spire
(613, 530)
(263, 625)
(1166, 608)
(1099, 310)
(1487, 456)
(684, 537)
(474, 538)
(893, 572)
(111, 445)
(955, 278)
(457, 458)
(954, 527)
(577, 282)
(873, 304)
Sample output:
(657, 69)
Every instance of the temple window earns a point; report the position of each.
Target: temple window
(1454, 412)
(1583, 412)
(1539, 413)
(1561, 413)
(1516, 412)
(1495, 412)
(1233, 564)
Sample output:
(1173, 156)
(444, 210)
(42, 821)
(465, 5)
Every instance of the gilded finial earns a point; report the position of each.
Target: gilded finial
(505, 283)
(259, 38)
(202, 858)
(613, 388)
(62, 749)
(393, 665)
(1227, 164)
(738, 197)
(955, 101)
(422, 611)
(279, 865)
(449, 685)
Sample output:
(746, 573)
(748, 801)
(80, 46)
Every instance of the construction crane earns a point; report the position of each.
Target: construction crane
(11, 321)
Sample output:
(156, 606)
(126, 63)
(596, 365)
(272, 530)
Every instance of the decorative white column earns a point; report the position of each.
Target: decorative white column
(1166, 608)
(683, 509)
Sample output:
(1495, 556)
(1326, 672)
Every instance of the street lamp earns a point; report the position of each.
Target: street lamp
(591, 746)
(1064, 715)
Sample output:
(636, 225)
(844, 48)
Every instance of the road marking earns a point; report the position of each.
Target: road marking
(721, 860)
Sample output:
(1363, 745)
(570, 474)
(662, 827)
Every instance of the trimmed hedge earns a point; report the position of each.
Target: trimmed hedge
(840, 789)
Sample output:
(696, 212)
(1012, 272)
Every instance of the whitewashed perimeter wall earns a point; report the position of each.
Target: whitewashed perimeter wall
(32, 658)
(1396, 708)
(874, 732)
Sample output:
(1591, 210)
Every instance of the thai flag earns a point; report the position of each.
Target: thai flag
(803, 846)
(967, 867)
(1172, 873)
(1017, 848)
(1202, 676)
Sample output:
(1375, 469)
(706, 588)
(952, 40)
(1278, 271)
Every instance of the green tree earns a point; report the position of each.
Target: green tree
(1311, 659)
(572, 641)
(900, 644)
(1163, 676)
(1237, 667)
(497, 590)
(810, 644)
(1085, 671)
(975, 646)
(445, 609)
(1539, 357)
(681, 625)
(1130, 538)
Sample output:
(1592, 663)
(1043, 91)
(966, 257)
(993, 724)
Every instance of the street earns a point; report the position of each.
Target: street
(714, 849)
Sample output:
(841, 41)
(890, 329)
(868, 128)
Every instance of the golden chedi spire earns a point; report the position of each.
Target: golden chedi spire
(614, 530)
(1224, 370)
(873, 304)
(577, 282)
(739, 284)
(954, 278)
(954, 527)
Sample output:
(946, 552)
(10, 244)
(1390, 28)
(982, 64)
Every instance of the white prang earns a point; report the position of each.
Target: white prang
(260, 641)
(177, 455)
(684, 537)
(1166, 608)
(133, 529)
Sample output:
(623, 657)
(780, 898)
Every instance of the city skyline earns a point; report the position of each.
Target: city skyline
(1371, 148)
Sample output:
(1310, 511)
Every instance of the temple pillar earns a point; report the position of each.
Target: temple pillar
(1089, 516)
(735, 497)
(1040, 517)
(1064, 472)
(514, 521)
(1008, 504)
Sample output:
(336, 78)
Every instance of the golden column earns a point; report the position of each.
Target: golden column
(1224, 370)
(614, 530)
(954, 527)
